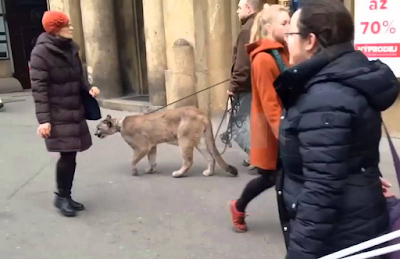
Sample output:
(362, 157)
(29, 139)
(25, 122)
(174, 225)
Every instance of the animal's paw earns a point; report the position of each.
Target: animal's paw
(151, 170)
(208, 173)
(135, 172)
(176, 174)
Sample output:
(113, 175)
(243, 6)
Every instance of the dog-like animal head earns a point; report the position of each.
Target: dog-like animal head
(107, 127)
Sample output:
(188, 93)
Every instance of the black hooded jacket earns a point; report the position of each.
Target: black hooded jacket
(57, 85)
(330, 196)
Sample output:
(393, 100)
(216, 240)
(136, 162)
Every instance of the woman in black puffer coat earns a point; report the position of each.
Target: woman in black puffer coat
(330, 195)
(57, 83)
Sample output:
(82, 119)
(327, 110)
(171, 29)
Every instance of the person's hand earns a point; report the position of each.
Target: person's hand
(44, 130)
(229, 93)
(94, 91)
(386, 188)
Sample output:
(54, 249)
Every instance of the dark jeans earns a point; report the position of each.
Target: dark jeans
(65, 171)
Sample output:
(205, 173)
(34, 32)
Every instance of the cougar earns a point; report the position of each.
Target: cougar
(186, 127)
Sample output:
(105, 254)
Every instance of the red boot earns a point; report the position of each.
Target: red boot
(238, 222)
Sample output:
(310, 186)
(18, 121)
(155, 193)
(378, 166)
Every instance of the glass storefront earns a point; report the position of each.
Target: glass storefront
(4, 47)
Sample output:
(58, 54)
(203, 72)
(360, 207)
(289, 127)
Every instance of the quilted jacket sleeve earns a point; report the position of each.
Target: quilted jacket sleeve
(324, 132)
(39, 80)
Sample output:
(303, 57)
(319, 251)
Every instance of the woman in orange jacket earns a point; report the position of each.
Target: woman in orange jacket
(268, 54)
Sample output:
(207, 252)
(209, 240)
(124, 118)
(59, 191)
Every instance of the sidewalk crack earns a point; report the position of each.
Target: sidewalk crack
(31, 179)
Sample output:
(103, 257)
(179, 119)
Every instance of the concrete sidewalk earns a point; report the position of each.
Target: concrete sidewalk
(151, 216)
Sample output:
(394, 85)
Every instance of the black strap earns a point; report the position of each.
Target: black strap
(278, 59)
(396, 159)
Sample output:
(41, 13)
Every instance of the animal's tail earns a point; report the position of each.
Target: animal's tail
(214, 151)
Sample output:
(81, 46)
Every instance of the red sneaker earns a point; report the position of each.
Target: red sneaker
(238, 222)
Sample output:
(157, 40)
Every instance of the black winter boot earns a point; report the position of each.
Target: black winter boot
(63, 204)
(76, 205)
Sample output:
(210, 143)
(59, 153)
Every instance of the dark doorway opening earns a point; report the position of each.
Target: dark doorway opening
(141, 45)
(24, 19)
(131, 46)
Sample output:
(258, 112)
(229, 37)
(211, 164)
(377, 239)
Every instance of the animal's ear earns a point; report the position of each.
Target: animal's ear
(108, 116)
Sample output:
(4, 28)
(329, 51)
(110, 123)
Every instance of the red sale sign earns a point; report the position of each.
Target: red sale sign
(377, 31)
(380, 50)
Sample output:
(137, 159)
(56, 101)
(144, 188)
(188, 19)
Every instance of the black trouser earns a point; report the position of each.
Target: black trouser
(255, 187)
(65, 171)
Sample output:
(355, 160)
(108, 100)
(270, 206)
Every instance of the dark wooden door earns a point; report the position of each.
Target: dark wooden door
(141, 44)
(24, 19)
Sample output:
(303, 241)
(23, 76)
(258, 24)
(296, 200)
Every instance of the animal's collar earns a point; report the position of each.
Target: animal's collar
(119, 124)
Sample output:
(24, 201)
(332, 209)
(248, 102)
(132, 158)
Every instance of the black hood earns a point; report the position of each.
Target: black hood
(344, 65)
(56, 43)
(45, 38)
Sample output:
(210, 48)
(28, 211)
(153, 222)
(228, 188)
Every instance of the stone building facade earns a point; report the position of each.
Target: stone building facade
(163, 49)
(143, 53)
(154, 52)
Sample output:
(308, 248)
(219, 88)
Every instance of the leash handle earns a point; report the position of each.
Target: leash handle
(395, 155)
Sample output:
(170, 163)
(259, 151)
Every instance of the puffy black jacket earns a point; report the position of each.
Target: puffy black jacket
(57, 86)
(330, 196)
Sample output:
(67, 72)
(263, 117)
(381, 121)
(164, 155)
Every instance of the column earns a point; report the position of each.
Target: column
(236, 25)
(101, 46)
(180, 78)
(56, 5)
(155, 50)
(219, 51)
(73, 9)
(200, 53)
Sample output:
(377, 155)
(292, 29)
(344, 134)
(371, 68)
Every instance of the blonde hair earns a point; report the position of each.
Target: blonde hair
(267, 15)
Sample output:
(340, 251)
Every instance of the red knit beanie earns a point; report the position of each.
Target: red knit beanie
(54, 21)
